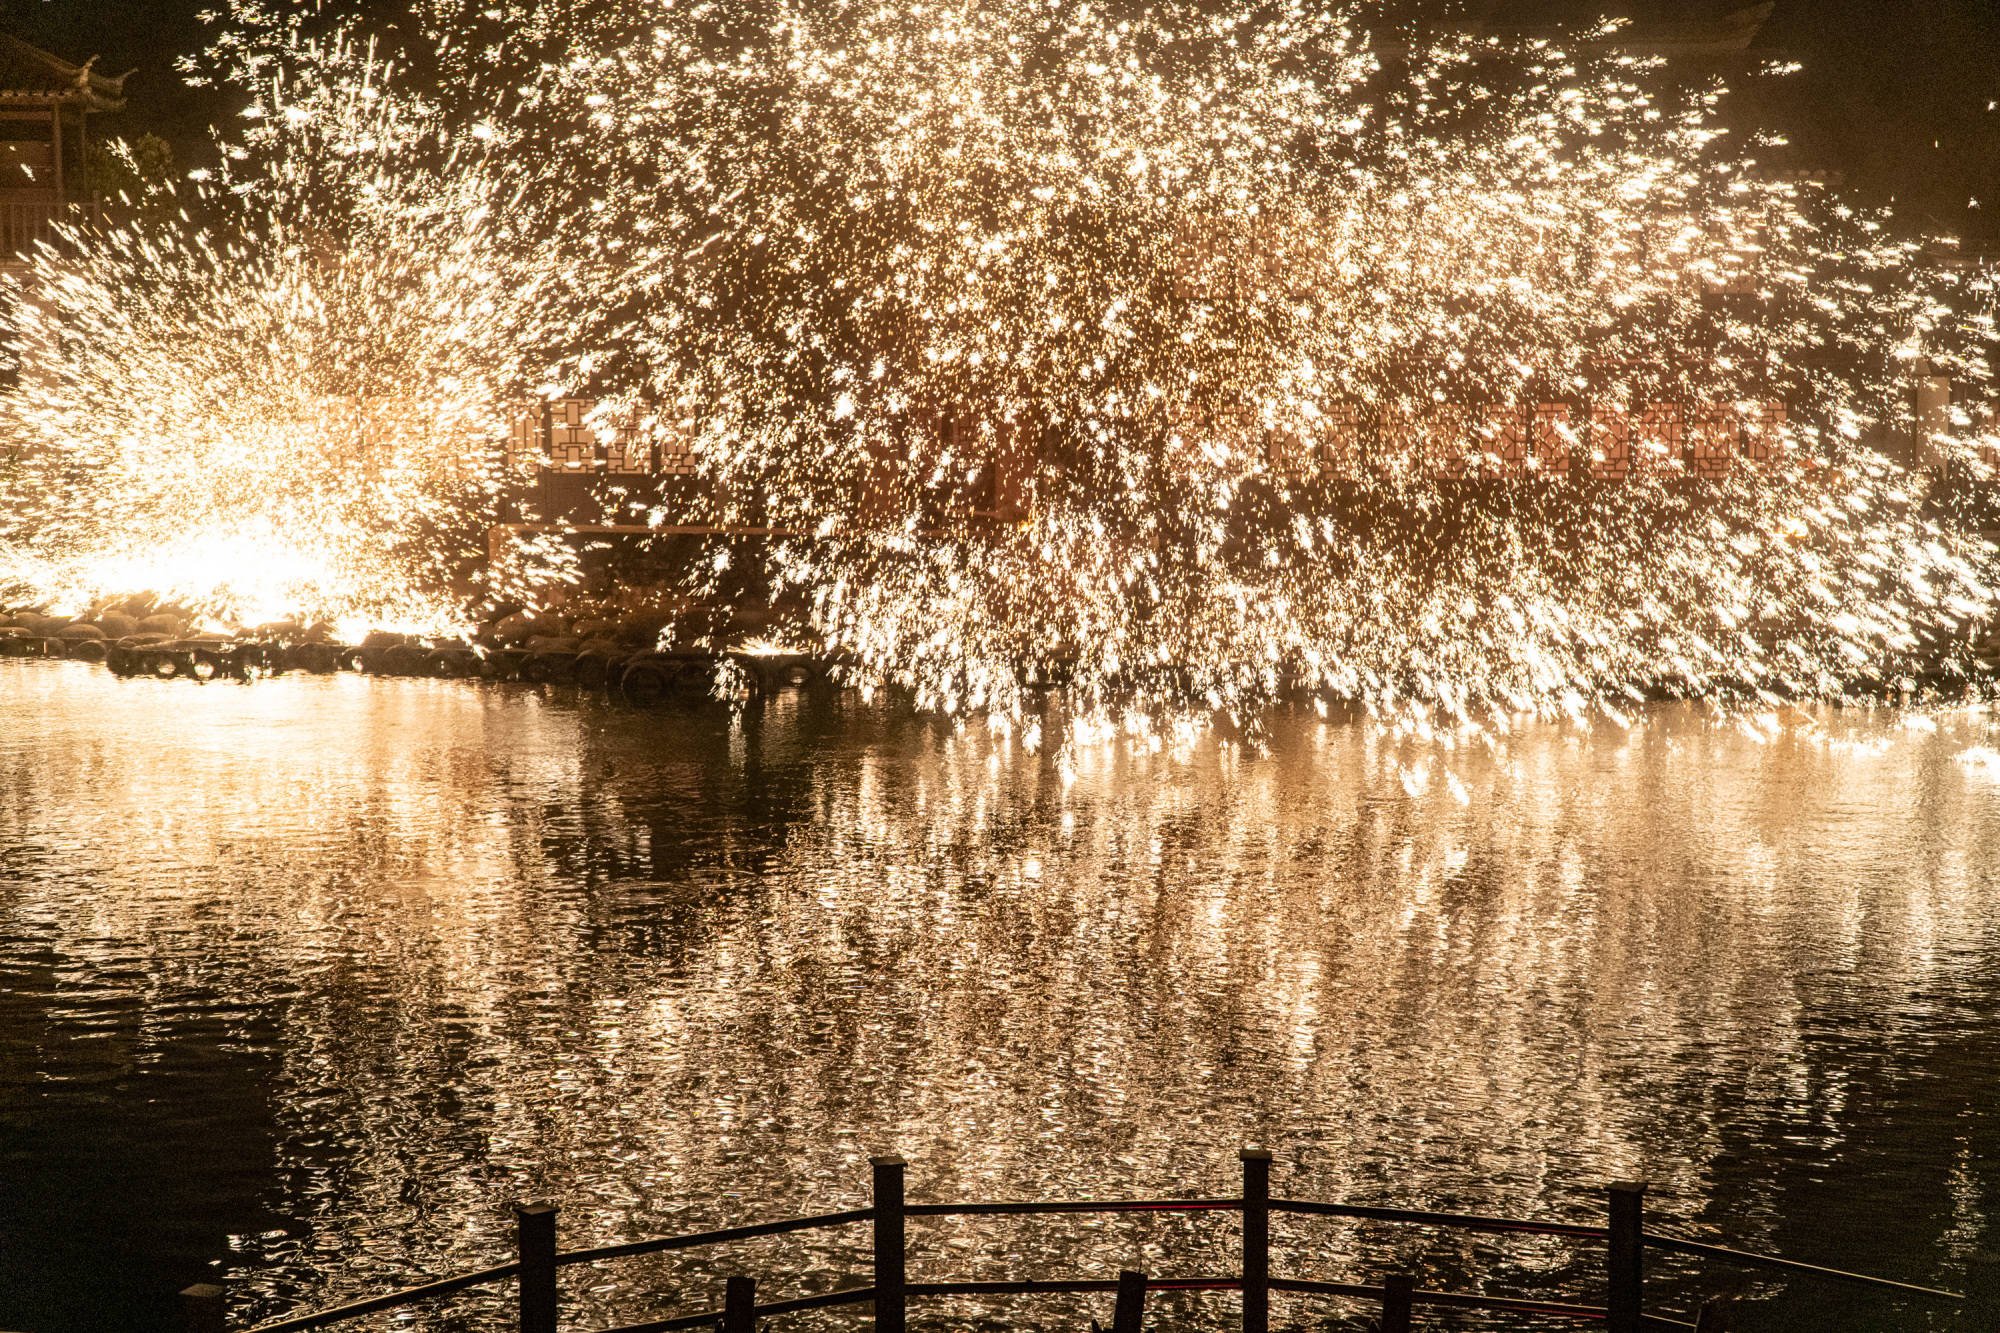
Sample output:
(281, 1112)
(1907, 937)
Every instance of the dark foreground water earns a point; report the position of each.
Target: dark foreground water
(302, 983)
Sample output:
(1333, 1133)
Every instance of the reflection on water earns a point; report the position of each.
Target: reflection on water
(302, 983)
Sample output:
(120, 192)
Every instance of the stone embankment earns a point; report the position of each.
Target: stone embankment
(621, 658)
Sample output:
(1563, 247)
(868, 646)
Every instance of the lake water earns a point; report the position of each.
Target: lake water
(302, 982)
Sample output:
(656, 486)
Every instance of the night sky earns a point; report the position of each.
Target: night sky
(1895, 95)
(146, 36)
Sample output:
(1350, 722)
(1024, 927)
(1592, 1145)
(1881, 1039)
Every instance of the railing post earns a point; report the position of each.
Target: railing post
(535, 1242)
(739, 1306)
(1628, 1248)
(1717, 1314)
(1398, 1289)
(1256, 1239)
(201, 1308)
(1129, 1314)
(889, 1240)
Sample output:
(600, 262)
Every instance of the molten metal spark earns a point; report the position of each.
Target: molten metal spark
(278, 390)
(1179, 358)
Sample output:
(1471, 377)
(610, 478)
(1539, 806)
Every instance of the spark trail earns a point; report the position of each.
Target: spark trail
(1180, 355)
(275, 389)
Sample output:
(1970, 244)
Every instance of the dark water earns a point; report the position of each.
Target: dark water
(301, 984)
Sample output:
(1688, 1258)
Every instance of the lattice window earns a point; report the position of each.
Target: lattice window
(1198, 255)
(626, 451)
(1552, 439)
(1712, 432)
(393, 427)
(1219, 256)
(378, 429)
(572, 444)
(971, 469)
(1330, 443)
(1503, 438)
(1263, 254)
(526, 448)
(1288, 453)
(1610, 441)
(1449, 449)
(951, 457)
(1656, 439)
(1986, 431)
(1764, 434)
(879, 502)
(345, 429)
(1399, 442)
(1013, 471)
(1340, 438)
(1236, 429)
(677, 448)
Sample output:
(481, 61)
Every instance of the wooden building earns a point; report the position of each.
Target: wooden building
(45, 108)
(573, 477)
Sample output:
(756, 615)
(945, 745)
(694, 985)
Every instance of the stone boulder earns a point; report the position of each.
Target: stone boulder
(511, 629)
(519, 628)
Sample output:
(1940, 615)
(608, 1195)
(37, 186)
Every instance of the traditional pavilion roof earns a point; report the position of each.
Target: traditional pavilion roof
(31, 75)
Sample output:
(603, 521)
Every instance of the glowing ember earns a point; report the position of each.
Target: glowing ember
(289, 407)
(1180, 359)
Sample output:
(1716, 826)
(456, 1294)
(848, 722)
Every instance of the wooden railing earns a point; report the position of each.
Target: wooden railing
(25, 225)
(889, 1290)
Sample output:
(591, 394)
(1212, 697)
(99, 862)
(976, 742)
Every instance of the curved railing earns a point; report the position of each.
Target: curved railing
(1624, 1236)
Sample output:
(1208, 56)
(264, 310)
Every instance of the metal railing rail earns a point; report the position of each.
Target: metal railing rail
(1467, 1301)
(1073, 1206)
(710, 1318)
(391, 1300)
(662, 1243)
(1105, 1286)
(1750, 1259)
(1064, 1287)
(538, 1263)
(1454, 1221)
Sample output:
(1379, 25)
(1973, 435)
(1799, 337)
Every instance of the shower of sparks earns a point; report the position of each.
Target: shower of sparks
(275, 390)
(1181, 357)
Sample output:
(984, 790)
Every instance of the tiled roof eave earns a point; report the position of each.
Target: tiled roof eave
(55, 81)
(89, 101)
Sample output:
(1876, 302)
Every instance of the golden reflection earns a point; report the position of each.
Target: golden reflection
(677, 970)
